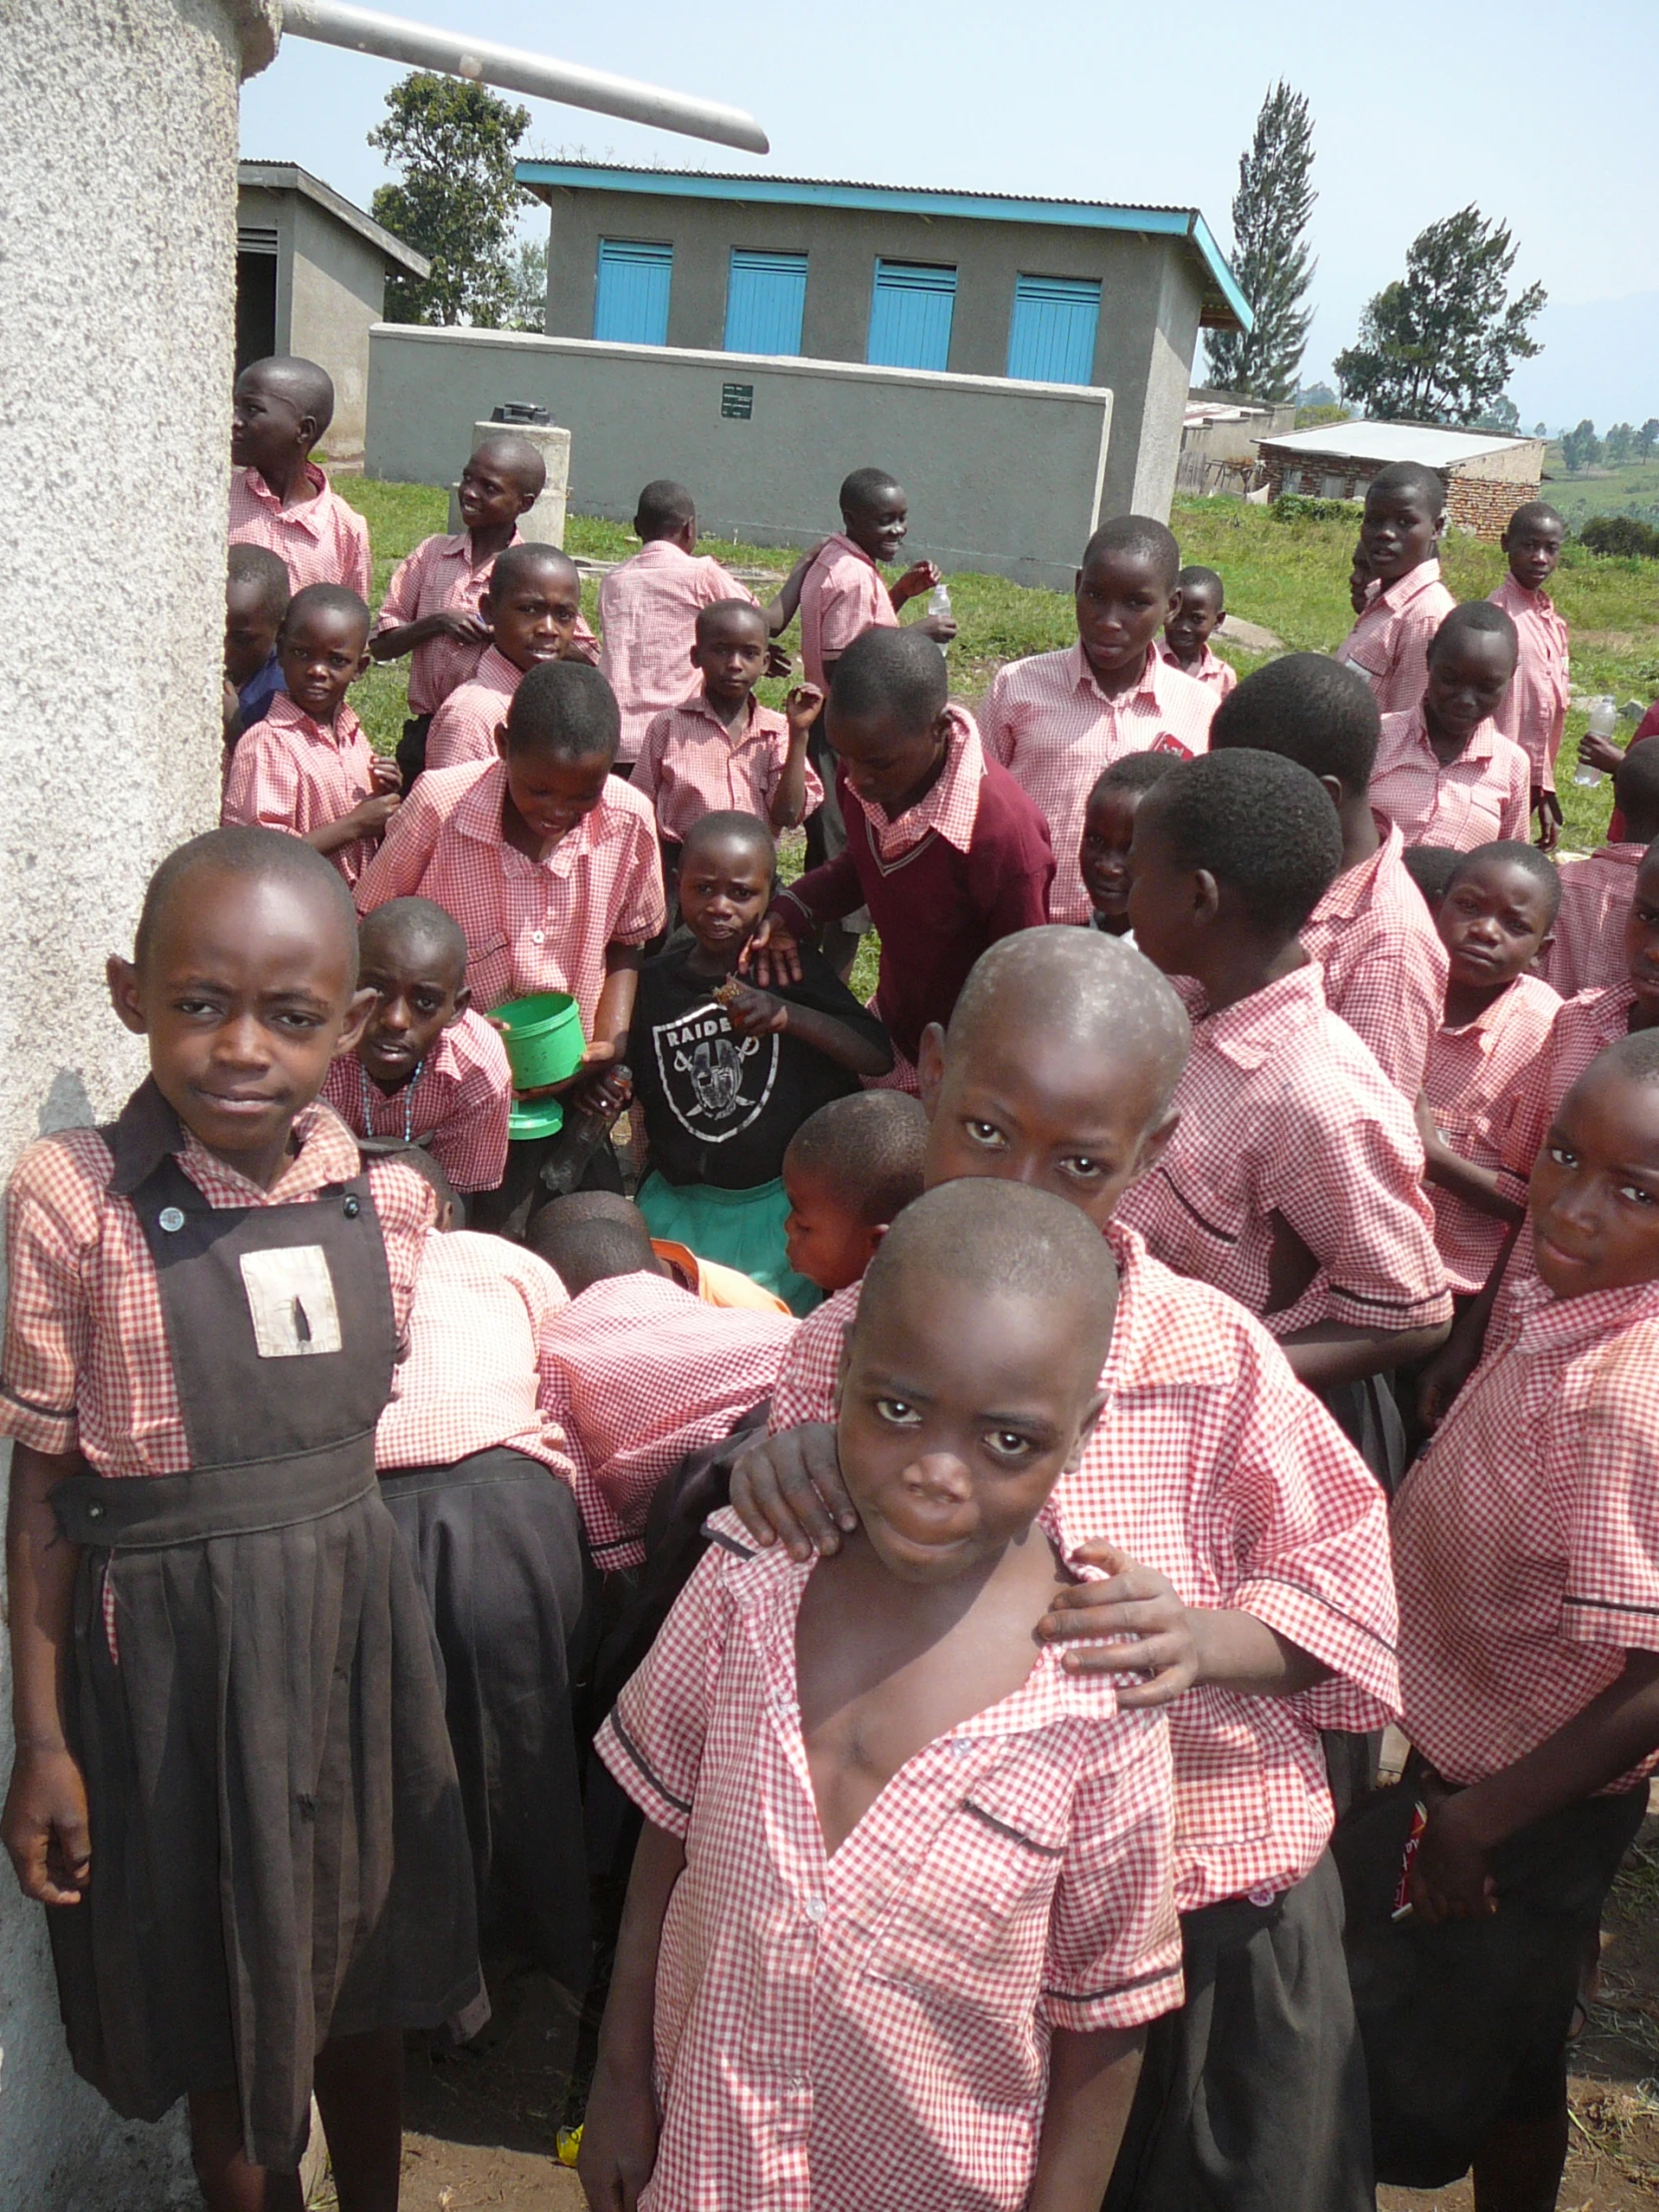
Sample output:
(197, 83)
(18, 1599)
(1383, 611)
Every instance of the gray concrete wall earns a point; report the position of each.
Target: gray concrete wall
(1149, 308)
(339, 294)
(117, 286)
(1001, 476)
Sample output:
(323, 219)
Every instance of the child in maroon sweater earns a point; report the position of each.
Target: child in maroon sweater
(942, 845)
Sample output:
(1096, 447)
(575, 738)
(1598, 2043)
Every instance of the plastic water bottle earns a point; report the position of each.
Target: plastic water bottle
(939, 600)
(1604, 720)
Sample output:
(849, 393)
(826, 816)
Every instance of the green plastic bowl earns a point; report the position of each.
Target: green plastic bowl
(543, 1038)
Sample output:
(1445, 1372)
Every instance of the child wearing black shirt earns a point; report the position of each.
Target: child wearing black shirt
(724, 1073)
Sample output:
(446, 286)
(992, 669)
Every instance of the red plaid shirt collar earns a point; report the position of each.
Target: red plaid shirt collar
(842, 543)
(1405, 589)
(1253, 1029)
(283, 714)
(496, 669)
(1357, 887)
(307, 514)
(324, 1152)
(950, 808)
(1415, 733)
(1538, 1321)
(756, 720)
(1514, 598)
(477, 815)
(1084, 678)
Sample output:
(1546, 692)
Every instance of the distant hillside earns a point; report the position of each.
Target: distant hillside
(1631, 490)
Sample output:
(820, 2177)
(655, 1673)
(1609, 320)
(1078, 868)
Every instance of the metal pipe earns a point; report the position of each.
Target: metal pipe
(366, 32)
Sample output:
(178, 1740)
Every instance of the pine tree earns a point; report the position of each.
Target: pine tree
(1269, 254)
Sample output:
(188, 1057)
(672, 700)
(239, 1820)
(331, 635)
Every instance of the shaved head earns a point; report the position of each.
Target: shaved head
(413, 928)
(1097, 991)
(590, 1237)
(270, 855)
(514, 457)
(306, 385)
(1142, 539)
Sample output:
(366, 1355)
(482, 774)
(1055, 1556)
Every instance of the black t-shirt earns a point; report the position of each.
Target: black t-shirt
(720, 1108)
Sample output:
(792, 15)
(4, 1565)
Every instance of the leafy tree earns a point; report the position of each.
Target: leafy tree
(1502, 415)
(452, 145)
(1269, 254)
(1438, 345)
(1581, 448)
(1541, 429)
(1316, 395)
(1618, 445)
(1647, 437)
(1329, 410)
(529, 283)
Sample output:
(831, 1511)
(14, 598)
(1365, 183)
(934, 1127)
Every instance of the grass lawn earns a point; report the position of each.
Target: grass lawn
(1630, 490)
(1288, 576)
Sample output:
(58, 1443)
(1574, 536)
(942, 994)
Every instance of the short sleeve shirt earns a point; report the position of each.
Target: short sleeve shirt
(841, 596)
(1534, 711)
(319, 540)
(1384, 963)
(1482, 795)
(465, 724)
(1388, 644)
(1589, 952)
(291, 772)
(692, 764)
(457, 1105)
(1471, 1082)
(438, 577)
(648, 611)
(720, 1108)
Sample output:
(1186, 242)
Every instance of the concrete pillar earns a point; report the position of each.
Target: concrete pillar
(117, 286)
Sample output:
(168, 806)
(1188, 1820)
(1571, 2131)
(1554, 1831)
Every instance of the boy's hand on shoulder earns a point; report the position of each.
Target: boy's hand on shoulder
(751, 1012)
(772, 953)
(619, 2140)
(802, 707)
(1147, 1628)
(789, 1488)
(45, 1827)
(1450, 1879)
(464, 628)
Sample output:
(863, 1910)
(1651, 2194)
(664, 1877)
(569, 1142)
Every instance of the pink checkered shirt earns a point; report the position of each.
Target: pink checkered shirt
(531, 926)
(482, 1308)
(1588, 952)
(1388, 644)
(691, 764)
(86, 1366)
(1526, 1542)
(438, 577)
(1284, 1111)
(948, 810)
(648, 611)
(320, 541)
(1483, 795)
(1583, 1026)
(841, 596)
(1535, 706)
(1212, 1464)
(457, 1106)
(871, 2030)
(291, 772)
(1053, 729)
(637, 1372)
(1473, 1077)
(1384, 965)
(463, 728)
(1218, 675)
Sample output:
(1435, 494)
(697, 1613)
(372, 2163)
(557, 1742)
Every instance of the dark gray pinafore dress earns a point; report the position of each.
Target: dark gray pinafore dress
(278, 1853)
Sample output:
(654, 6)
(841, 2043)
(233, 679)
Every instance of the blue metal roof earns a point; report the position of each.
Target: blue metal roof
(1225, 304)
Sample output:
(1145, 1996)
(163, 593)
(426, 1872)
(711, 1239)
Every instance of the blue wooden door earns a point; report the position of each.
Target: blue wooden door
(630, 303)
(766, 298)
(909, 316)
(1051, 337)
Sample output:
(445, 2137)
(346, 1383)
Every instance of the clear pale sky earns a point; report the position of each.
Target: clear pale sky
(1419, 107)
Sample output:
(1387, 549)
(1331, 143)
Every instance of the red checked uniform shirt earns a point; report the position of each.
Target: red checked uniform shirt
(841, 596)
(648, 610)
(531, 926)
(1583, 1026)
(438, 577)
(1212, 1463)
(1526, 1542)
(1588, 952)
(1284, 1111)
(1384, 963)
(465, 724)
(482, 1308)
(457, 1106)
(1208, 668)
(692, 764)
(1050, 725)
(319, 540)
(870, 2030)
(291, 772)
(637, 1372)
(1483, 795)
(1534, 708)
(1473, 1077)
(1389, 645)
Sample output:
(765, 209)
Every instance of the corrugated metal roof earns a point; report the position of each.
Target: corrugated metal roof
(1225, 305)
(1395, 442)
(289, 177)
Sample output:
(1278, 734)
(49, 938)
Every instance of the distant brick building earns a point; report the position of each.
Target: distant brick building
(1487, 475)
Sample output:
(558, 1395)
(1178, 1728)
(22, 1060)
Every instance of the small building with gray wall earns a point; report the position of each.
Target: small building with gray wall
(1001, 476)
(974, 285)
(310, 279)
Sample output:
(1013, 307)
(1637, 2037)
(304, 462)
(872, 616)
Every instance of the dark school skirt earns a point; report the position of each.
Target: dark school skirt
(1467, 2025)
(1252, 2097)
(278, 1854)
(498, 1544)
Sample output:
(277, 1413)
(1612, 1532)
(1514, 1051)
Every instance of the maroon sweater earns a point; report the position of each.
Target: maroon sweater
(935, 909)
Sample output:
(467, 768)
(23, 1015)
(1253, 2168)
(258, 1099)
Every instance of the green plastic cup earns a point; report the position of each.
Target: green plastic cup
(543, 1038)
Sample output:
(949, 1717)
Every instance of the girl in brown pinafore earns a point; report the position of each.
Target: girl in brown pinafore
(233, 1781)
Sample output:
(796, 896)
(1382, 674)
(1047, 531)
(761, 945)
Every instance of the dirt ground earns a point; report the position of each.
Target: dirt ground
(483, 2124)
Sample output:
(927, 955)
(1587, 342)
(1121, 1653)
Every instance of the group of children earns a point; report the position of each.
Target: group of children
(1243, 1102)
